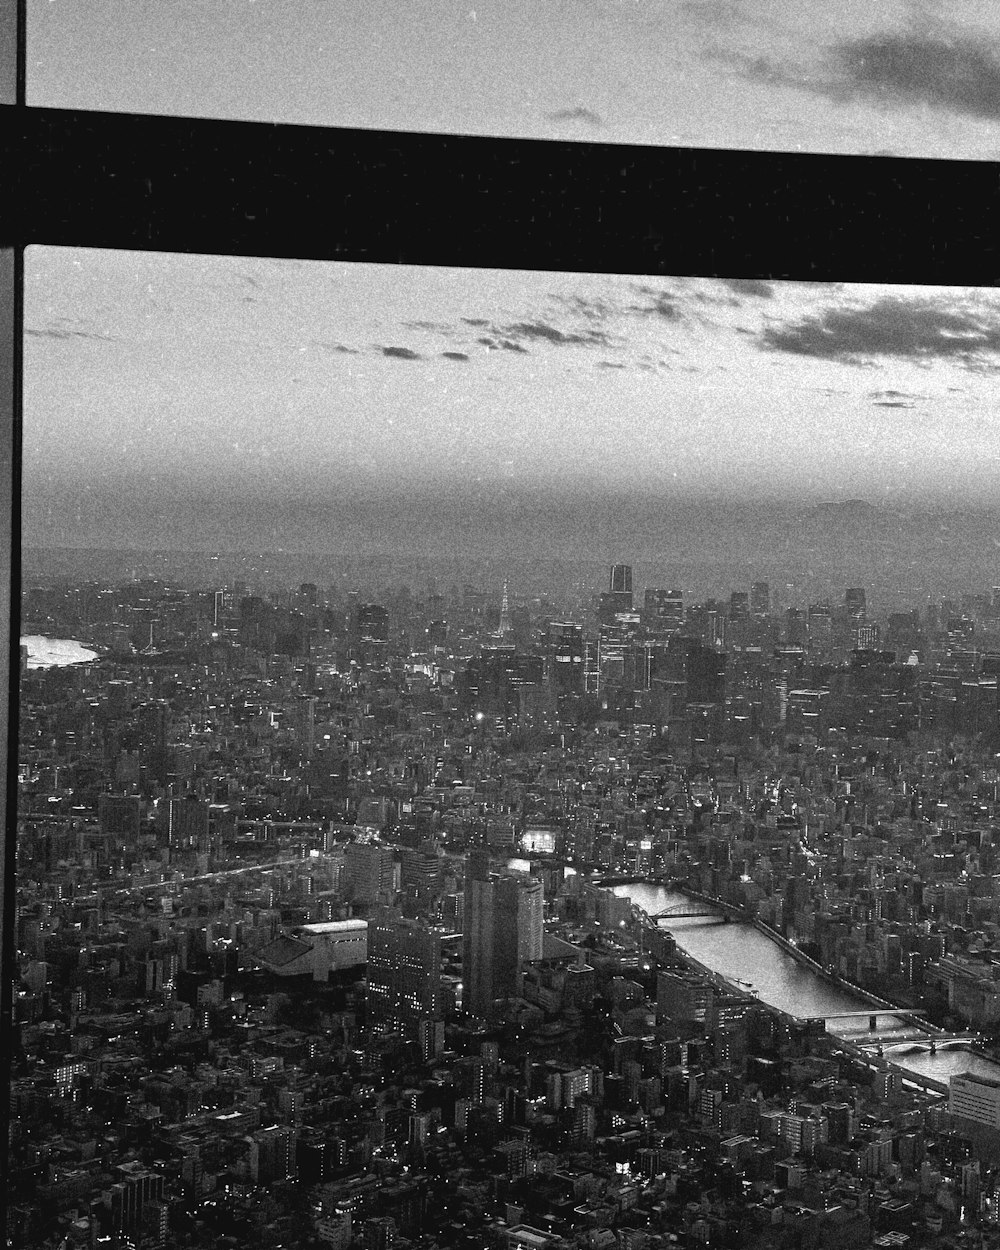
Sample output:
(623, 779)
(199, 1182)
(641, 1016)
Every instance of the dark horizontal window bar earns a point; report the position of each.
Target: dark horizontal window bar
(178, 184)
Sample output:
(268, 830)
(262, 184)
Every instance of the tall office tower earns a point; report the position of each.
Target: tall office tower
(134, 1187)
(705, 673)
(618, 598)
(372, 622)
(819, 622)
(420, 871)
(611, 646)
(739, 606)
(530, 916)
(404, 974)
(854, 602)
(760, 599)
(502, 931)
(975, 1098)
(187, 822)
(796, 627)
(370, 871)
(564, 657)
(305, 723)
(662, 611)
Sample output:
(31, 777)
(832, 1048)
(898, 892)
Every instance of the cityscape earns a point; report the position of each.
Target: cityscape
(505, 760)
(465, 919)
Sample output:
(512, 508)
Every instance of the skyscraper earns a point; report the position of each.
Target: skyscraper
(662, 611)
(502, 932)
(619, 595)
(564, 657)
(760, 599)
(370, 870)
(854, 601)
(404, 974)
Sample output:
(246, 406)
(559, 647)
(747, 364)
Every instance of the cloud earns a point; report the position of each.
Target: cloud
(591, 309)
(475, 321)
(608, 364)
(401, 353)
(507, 345)
(919, 330)
(455, 355)
(754, 288)
(338, 348)
(958, 74)
(931, 67)
(893, 396)
(578, 114)
(662, 304)
(891, 403)
(542, 330)
(52, 333)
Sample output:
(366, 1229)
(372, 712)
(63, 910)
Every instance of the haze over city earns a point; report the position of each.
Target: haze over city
(250, 404)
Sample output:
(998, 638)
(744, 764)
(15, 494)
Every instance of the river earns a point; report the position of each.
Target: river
(55, 652)
(743, 952)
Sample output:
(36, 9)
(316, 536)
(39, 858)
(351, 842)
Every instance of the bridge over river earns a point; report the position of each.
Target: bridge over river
(690, 910)
(749, 954)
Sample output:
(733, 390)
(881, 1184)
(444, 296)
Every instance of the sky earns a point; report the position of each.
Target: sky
(221, 402)
(829, 76)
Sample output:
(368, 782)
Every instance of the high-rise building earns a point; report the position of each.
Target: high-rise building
(662, 611)
(564, 657)
(618, 597)
(271, 1156)
(760, 599)
(135, 1187)
(379, 1233)
(705, 673)
(187, 822)
(683, 996)
(305, 723)
(404, 974)
(502, 931)
(975, 1098)
(739, 606)
(621, 579)
(372, 622)
(854, 602)
(370, 871)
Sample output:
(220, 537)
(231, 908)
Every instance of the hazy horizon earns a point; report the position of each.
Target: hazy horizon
(177, 400)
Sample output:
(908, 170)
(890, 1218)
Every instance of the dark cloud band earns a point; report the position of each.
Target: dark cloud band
(891, 327)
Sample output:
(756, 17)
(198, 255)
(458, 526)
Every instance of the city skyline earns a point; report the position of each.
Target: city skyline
(904, 79)
(191, 401)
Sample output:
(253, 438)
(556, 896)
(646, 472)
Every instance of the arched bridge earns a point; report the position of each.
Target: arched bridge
(690, 909)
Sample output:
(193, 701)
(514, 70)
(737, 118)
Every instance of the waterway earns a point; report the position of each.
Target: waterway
(55, 652)
(739, 951)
